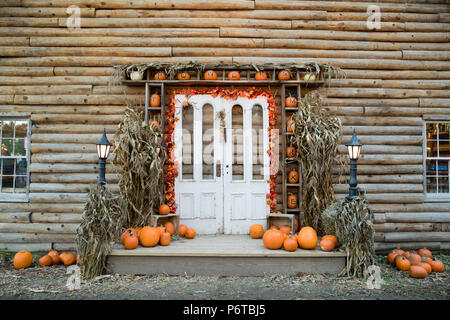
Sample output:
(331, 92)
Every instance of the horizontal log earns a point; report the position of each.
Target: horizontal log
(62, 148)
(403, 227)
(65, 246)
(67, 168)
(386, 130)
(66, 138)
(66, 187)
(83, 71)
(396, 74)
(71, 128)
(28, 22)
(82, 178)
(384, 169)
(74, 119)
(58, 197)
(110, 32)
(383, 149)
(143, 42)
(426, 27)
(40, 207)
(390, 198)
(85, 61)
(386, 140)
(425, 55)
(422, 207)
(47, 12)
(31, 247)
(405, 217)
(57, 80)
(25, 71)
(49, 89)
(384, 93)
(14, 41)
(86, 110)
(44, 217)
(407, 245)
(382, 121)
(237, 14)
(417, 236)
(85, 51)
(143, 4)
(381, 188)
(15, 217)
(330, 44)
(350, 26)
(386, 178)
(20, 237)
(334, 35)
(434, 103)
(390, 158)
(399, 84)
(38, 228)
(386, 16)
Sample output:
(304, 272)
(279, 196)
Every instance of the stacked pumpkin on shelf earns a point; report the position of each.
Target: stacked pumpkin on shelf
(282, 237)
(418, 265)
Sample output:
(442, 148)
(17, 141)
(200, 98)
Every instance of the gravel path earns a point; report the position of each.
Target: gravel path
(39, 283)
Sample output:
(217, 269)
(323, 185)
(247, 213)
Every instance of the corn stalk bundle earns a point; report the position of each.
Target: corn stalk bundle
(352, 222)
(316, 137)
(139, 160)
(101, 224)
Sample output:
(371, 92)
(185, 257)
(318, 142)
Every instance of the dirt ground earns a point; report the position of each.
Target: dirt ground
(39, 283)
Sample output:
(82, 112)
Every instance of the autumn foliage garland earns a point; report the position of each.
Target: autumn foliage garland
(227, 94)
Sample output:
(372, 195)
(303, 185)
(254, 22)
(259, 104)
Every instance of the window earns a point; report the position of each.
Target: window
(14, 159)
(437, 159)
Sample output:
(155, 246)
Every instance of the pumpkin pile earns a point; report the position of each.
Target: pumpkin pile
(283, 237)
(24, 259)
(418, 265)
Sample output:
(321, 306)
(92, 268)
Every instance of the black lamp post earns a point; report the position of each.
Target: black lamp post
(103, 148)
(354, 150)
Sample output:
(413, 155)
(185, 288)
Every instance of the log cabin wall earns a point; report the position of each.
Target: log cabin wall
(396, 76)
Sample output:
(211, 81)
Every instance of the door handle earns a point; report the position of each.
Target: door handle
(218, 169)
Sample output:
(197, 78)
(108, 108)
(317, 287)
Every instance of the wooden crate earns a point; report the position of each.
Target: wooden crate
(280, 220)
(156, 220)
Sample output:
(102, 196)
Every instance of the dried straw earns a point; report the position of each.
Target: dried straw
(316, 137)
(101, 224)
(352, 222)
(139, 160)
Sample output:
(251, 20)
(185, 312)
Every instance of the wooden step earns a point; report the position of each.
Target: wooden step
(226, 255)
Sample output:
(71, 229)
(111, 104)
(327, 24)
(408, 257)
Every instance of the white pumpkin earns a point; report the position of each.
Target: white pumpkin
(136, 75)
(309, 77)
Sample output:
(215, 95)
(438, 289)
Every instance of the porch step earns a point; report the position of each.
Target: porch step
(226, 255)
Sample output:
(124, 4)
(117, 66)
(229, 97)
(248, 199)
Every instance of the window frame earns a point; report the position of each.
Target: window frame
(19, 197)
(433, 197)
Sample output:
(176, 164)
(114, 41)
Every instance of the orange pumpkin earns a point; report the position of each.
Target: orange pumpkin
(274, 228)
(22, 259)
(292, 201)
(326, 244)
(307, 238)
(436, 265)
(333, 238)
(414, 258)
(183, 76)
(293, 177)
(279, 212)
(294, 236)
(425, 253)
(46, 261)
(291, 102)
(402, 263)
(131, 241)
(155, 100)
(161, 230)
(290, 244)
(183, 228)
(55, 256)
(165, 239)
(417, 272)
(273, 239)
(160, 76)
(149, 236)
(285, 229)
(256, 231)
(391, 257)
(68, 259)
(154, 123)
(170, 227)
(126, 233)
(234, 75)
(210, 75)
(290, 152)
(137, 231)
(260, 76)
(290, 125)
(426, 266)
(164, 209)
(284, 75)
(399, 251)
(296, 225)
(190, 233)
(406, 254)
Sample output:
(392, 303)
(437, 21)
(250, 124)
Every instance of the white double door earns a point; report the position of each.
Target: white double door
(221, 149)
